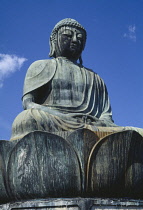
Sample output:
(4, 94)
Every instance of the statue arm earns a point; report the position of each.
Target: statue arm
(39, 73)
(105, 107)
(29, 103)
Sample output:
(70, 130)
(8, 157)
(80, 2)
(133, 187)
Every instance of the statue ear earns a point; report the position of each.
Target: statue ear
(52, 47)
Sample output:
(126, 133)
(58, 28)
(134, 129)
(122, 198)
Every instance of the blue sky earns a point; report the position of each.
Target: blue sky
(114, 50)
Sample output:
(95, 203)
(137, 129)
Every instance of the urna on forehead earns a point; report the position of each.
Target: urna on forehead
(67, 22)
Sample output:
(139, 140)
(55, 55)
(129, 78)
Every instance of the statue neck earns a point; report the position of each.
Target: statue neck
(67, 59)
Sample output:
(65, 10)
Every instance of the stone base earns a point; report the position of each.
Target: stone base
(75, 204)
(45, 165)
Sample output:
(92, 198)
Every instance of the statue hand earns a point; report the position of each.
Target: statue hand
(82, 117)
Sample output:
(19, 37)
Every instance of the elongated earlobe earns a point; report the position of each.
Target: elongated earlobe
(52, 48)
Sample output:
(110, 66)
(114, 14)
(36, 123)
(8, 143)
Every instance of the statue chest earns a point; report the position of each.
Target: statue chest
(69, 78)
(68, 85)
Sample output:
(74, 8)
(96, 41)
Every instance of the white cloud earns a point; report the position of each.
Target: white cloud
(131, 34)
(8, 65)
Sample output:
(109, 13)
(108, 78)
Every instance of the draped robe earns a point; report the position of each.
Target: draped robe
(66, 87)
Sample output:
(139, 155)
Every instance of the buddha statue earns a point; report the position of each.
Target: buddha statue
(66, 143)
(60, 94)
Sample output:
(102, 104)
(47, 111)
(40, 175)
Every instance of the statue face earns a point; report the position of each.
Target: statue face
(70, 42)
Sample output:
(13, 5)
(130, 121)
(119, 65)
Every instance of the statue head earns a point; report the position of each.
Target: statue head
(68, 39)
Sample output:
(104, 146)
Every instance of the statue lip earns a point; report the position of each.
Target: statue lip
(74, 45)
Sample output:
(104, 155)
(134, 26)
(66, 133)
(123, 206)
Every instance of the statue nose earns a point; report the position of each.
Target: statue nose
(74, 38)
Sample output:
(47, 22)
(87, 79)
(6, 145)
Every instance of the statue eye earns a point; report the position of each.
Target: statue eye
(67, 35)
(80, 37)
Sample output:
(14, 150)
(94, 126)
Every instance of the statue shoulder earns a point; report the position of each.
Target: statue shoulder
(90, 70)
(38, 66)
(38, 74)
(98, 79)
